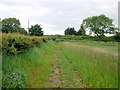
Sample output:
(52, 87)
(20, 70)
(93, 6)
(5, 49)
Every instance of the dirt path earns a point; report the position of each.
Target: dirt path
(54, 80)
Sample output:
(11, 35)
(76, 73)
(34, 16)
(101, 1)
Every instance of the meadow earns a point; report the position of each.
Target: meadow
(59, 64)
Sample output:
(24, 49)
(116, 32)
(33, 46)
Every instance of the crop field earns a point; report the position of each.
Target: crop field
(61, 64)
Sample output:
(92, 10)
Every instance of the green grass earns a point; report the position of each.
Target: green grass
(100, 44)
(35, 64)
(79, 66)
(97, 70)
(69, 77)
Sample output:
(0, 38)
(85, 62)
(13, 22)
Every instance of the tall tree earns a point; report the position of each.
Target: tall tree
(36, 30)
(10, 25)
(100, 25)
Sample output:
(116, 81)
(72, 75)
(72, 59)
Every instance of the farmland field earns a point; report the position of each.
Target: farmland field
(66, 64)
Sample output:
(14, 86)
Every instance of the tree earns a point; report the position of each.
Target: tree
(81, 31)
(36, 30)
(70, 31)
(117, 35)
(99, 25)
(66, 31)
(10, 25)
(23, 31)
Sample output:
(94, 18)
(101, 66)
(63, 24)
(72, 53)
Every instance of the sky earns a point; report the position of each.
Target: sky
(55, 16)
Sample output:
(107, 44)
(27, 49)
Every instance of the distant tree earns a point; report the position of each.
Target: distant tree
(100, 25)
(66, 31)
(70, 31)
(78, 33)
(10, 25)
(36, 30)
(81, 31)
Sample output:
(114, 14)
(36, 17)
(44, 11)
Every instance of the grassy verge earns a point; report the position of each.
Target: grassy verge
(33, 67)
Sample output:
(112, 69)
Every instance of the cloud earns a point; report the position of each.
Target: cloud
(56, 15)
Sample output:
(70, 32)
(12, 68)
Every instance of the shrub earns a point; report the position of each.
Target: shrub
(16, 43)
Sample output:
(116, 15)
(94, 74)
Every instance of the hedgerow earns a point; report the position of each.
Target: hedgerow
(14, 43)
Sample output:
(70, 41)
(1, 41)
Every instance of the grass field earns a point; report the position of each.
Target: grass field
(80, 64)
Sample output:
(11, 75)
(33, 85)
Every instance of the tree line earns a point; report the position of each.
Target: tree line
(98, 25)
(12, 25)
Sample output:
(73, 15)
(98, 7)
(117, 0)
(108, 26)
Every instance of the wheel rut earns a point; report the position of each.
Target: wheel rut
(54, 78)
(58, 77)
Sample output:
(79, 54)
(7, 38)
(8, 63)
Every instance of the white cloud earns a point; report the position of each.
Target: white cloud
(56, 15)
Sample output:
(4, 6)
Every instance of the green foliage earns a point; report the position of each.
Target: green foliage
(70, 31)
(99, 25)
(29, 69)
(36, 30)
(81, 31)
(12, 25)
(14, 79)
(117, 36)
(87, 37)
(16, 43)
(23, 31)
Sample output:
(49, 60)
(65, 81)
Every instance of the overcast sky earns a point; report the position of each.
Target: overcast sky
(56, 15)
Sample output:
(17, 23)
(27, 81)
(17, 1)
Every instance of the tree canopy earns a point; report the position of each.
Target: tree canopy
(36, 30)
(81, 31)
(99, 25)
(70, 31)
(12, 25)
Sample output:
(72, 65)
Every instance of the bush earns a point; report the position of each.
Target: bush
(105, 39)
(16, 43)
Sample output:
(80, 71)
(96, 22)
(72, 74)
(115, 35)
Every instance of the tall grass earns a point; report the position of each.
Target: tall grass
(68, 76)
(98, 70)
(34, 64)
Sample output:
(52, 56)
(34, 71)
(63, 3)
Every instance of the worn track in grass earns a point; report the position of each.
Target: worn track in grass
(58, 77)
(54, 80)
